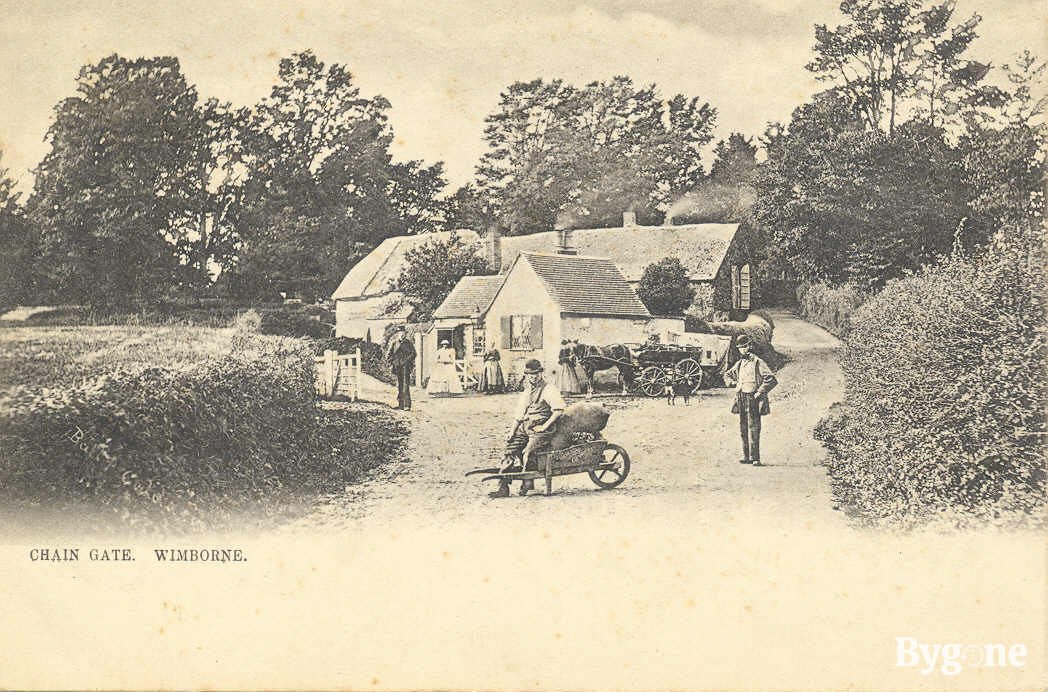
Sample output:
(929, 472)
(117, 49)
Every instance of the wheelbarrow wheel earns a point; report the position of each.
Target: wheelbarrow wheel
(612, 477)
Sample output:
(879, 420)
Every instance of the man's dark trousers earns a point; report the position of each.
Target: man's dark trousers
(749, 425)
(403, 372)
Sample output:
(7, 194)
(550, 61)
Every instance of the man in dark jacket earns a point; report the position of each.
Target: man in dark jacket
(753, 380)
(401, 353)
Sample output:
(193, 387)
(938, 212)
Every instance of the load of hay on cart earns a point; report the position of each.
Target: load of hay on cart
(696, 361)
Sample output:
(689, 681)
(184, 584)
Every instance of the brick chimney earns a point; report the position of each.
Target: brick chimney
(629, 219)
(565, 246)
(493, 248)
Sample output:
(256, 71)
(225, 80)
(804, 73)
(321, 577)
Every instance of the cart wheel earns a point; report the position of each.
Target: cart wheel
(689, 367)
(612, 477)
(652, 380)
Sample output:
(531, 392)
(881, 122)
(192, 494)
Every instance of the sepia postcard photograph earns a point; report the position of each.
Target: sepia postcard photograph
(535, 345)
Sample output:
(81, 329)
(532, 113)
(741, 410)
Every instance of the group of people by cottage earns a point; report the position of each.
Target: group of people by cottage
(541, 403)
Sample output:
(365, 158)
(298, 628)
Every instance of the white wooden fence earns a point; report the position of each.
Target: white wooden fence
(339, 375)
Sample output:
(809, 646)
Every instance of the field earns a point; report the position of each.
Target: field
(52, 356)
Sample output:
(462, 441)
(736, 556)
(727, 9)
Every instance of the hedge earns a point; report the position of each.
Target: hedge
(943, 412)
(177, 447)
(830, 307)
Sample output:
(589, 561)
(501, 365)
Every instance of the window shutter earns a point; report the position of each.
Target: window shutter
(744, 287)
(536, 332)
(735, 287)
(504, 323)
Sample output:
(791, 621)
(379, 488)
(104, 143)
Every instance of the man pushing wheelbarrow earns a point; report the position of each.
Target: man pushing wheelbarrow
(540, 406)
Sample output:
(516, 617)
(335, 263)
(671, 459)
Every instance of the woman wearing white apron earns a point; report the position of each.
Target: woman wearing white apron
(444, 380)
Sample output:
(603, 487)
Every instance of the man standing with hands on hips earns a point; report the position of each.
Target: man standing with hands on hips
(753, 380)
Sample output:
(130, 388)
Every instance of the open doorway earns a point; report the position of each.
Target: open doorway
(456, 337)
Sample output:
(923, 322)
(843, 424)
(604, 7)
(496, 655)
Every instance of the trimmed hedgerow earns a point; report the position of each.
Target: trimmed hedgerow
(830, 307)
(297, 321)
(177, 447)
(945, 392)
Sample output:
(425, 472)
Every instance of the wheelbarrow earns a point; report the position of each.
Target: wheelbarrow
(607, 465)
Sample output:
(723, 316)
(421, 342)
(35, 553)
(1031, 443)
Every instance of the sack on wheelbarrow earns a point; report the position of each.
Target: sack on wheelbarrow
(582, 417)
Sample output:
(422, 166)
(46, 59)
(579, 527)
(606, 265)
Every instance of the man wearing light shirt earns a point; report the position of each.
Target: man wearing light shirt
(540, 405)
(753, 380)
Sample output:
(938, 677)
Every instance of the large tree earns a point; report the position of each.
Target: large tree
(119, 198)
(1004, 155)
(890, 52)
(842, 202)
(727, 194)
(579, 157)
(322, 188)
(19, 282)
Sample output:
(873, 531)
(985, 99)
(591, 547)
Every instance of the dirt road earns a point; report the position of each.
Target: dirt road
(685, 458)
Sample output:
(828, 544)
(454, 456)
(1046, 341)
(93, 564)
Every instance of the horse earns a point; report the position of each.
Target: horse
(596, 358)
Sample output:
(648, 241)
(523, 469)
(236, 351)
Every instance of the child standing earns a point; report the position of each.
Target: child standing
(670, 392)
(683, 387)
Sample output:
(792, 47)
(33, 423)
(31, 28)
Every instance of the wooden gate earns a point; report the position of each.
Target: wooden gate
(339, 375)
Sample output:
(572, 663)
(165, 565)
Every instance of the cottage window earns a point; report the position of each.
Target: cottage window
(522, 332)
(479, 343)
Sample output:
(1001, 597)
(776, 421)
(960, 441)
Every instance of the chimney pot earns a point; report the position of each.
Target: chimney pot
(629, 219)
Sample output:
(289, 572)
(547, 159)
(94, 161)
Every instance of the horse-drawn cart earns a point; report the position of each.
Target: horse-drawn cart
(607, 465)
(648, 368)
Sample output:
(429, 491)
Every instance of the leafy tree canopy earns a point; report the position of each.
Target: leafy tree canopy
(578, 157)
(432, 269)
(120, 196)
(322, 189)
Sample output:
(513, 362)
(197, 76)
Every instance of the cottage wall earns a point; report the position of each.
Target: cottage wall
(740, 252)
(347, 321)
(523, 293)
(601, 331)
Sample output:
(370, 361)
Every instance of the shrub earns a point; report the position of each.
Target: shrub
(755, 326)
(665, 288)
(696, 325)
(297, 321)
(830, 307)
(169, 448)
(945, 393)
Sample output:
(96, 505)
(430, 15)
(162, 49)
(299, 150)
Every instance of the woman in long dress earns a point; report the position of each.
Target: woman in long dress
(491, 379)
(443, 379)
(567, 379)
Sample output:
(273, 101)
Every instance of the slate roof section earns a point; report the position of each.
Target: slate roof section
(586, 285)
(701, 248)
(470, 295)
(373, 274)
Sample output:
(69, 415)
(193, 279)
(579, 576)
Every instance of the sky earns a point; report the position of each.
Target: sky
(442, 64)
